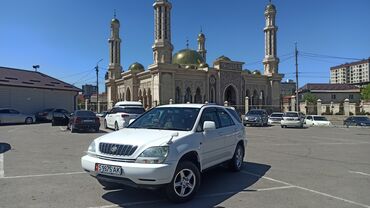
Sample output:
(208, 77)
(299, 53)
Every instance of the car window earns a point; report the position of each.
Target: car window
(13, 111)
(309, 117)
(279, 115)
(131, 110)
(85, 114)
(113, 111)
(167, 118)
(254, 112)
(209, 114)
(291, 114)
(225, 119)
(4, 111)
(234, 114)
(320, 118)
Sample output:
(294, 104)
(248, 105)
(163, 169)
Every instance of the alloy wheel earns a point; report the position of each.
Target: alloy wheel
(184, 182)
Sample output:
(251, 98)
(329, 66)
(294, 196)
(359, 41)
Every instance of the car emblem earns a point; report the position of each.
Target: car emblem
(113, 149)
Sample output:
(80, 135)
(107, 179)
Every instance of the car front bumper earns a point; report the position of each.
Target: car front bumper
(134, 174)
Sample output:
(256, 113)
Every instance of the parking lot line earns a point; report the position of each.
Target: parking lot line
(358, 172)
(43, 175)
(129, 204)
(310, 190)
(1, 165)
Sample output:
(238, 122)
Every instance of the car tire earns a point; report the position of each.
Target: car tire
(184, 183)
(105, 124)
(236, 163)
(116, 128)
(28, 120)
(109, 185)
(282, 126)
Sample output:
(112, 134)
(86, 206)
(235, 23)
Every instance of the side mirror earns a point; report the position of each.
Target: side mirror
(209, 126)
(131, 120)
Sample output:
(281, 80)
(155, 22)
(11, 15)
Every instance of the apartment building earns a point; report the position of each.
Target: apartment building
(357, 73)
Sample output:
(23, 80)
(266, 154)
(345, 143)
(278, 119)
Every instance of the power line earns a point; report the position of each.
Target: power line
(328, 56)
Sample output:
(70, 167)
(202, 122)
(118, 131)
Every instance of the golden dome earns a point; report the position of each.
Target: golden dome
(187, 57)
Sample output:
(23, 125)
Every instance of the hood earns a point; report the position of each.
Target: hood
(140, 137)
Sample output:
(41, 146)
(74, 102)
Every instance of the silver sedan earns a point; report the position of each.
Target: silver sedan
(8, 115)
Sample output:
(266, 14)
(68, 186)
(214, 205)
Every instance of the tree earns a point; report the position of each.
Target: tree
(310, 98)
(365, 93)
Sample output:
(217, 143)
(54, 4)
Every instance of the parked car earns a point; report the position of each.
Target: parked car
(275, 118)
(47, 114)
(83, 120)
(43, 115)
(256, 117)
(168, 147)
(316, 120)
(11, 116)
(357, 121)
(119, 117)
(292, 119)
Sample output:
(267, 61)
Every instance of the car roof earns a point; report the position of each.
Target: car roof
(186, 105)
(124, 103)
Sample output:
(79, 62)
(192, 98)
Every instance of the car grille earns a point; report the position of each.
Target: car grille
(117, 149)
(115, 159)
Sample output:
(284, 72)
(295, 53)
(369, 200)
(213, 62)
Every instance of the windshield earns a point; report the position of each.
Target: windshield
(131, 110)
(181, 119)
(320, 118)
(291, 115)
(254, 113)
(279, 115)
(362, 118)
(85, 114)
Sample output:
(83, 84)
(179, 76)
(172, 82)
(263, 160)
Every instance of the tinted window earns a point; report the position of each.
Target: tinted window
(234, 114)
(13, 111)
(309, 117)
(255, 112)
(181, 119)
(209, 114)
(360, 118)
(291, 115)
(131, 110)
(4, 111)
(279, 115)
(320, 118)
(225, 119)
(85, 114)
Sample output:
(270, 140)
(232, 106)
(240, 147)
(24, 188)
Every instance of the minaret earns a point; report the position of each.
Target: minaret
(271, 60)
(162, 48)
(202, 45)
(115, 68)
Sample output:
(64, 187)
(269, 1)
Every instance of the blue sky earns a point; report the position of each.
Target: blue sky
(66, 38)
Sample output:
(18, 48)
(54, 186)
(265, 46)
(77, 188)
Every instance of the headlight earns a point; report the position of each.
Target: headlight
(92, 147)
(153, 155)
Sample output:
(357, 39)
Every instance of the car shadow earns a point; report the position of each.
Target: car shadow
(4, 147)
(218, 185)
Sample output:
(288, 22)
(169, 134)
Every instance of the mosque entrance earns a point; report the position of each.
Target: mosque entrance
(230, 95)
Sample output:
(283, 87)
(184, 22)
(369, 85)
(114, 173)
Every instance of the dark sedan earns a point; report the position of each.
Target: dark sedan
(256, 117)
(47, 115)
(83, 120)
(357, 121)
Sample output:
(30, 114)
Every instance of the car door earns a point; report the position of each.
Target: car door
(110, 118)
(212, 142)
(309, 120)
(5, 116)
(229, 132)
(16, 117)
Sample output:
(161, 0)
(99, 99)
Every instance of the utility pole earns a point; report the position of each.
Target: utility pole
(97, 84)
(296, 77)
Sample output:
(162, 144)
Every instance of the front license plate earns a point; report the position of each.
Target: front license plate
(108, 169)
(88, 121)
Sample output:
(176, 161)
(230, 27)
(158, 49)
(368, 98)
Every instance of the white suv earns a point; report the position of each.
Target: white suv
(168, 146)
(119, 116)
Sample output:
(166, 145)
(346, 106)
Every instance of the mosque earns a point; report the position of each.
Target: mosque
(185, 75)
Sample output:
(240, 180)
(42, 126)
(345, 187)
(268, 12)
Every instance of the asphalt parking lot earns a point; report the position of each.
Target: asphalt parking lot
(312, 167)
